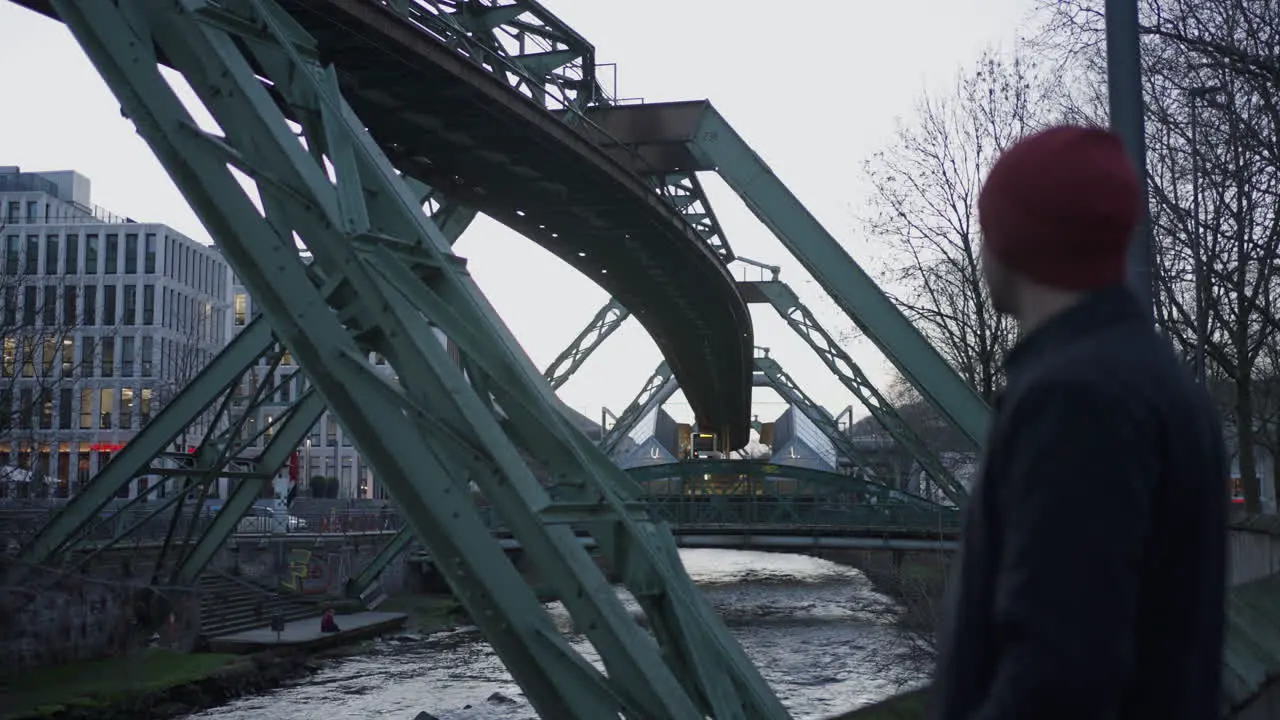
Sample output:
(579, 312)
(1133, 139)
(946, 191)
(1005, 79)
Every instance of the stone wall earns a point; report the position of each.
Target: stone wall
(316, 566)
(50, 617)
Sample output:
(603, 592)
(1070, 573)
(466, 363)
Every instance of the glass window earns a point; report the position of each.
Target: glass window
(51, 255)
(130, 304)
(49, 308)
(9, 359)
(11, 305)
(49, 355)
(88, 357)
(112, 260)
(144, 406)
(241, 308)
(72, 257)
(148, 304)
(15, 212)
(69, 316)
(30, 304)
(33, 255)
(68, 357)
(126, 408)
(91, 254)
(28, 357)
(46, 413)
(90, 305)
(106, 406)
(148, 351)
(12, 254)
(109, 315)
(149, 263)
(130, 254)
(108, 356)
(65, 399)
(86, 417)
(127, 351)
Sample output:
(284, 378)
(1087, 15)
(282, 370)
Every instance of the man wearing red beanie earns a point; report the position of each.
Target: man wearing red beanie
(1092, 577)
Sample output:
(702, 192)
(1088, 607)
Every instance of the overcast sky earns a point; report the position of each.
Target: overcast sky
(815, 92)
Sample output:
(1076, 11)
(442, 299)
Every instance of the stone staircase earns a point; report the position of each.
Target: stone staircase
(231, 605)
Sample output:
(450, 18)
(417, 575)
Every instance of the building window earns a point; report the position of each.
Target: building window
(33, 211)
(148, 349)
(28, 357)
(9, 361)
(12, 255)
(87, 355)
(51, 255)
(66, 397)
(148, 304)
(126, 356)
(90, 305)
(69, 305)
(108, 356)
(109, 305)
(49, 309)
(241, 308)
(68, 358)
(331, 432)
(106, 404)
(49, 355)
(11, 305)
(149, 262)
(46, 410)
(25, 406)
(130, 304)
(126, 408)
(14, 215)
(33, 255)
(111, 263)
(86, 420)
(30, 304)
(130, 254)
(144, 407)
(72, 257)
(91, 254)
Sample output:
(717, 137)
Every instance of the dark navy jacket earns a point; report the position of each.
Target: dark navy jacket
(1092, 576)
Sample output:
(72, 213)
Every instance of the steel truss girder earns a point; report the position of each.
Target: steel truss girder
(541, 57)
(659, 388)
(217, 378)
(365, 232)
(783, 299)
(605, 323)
(791, 392)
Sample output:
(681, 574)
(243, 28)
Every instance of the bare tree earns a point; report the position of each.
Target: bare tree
(42, 312)
(1213, 108)
(926, 185)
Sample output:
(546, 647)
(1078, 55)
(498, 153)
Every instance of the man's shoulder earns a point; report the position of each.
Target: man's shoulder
(1133, 371)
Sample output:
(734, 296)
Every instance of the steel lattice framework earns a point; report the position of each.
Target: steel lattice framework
(382, 279)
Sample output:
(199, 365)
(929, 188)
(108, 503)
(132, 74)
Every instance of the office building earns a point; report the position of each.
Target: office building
(104, 319)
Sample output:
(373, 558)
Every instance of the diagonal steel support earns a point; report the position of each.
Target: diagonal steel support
(396, 277)
(606, 321)
(659, 388)
(217, 378)
(784, 300)
(780, 381)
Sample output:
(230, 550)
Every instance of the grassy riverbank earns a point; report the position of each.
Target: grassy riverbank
(66, 690)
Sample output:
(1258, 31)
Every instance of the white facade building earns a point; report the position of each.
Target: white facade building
(103, 318)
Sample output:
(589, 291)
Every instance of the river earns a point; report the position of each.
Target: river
(820, 633)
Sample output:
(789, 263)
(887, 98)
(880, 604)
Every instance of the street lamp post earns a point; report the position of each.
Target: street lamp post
(1124, 91)
(1195, 95)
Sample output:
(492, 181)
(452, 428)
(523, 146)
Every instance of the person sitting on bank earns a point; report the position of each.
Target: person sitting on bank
(328, 624)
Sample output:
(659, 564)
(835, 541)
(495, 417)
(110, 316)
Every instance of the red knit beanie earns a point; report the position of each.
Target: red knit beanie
(1060, 206)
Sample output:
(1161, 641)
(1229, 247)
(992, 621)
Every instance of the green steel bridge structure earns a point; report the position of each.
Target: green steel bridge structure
(367, 134)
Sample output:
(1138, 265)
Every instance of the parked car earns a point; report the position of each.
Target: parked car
(262, 520)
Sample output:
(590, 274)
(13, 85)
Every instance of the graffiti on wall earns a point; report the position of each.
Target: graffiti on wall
(314, 574)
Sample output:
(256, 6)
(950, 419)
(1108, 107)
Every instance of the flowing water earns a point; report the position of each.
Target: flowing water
(820, 634)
